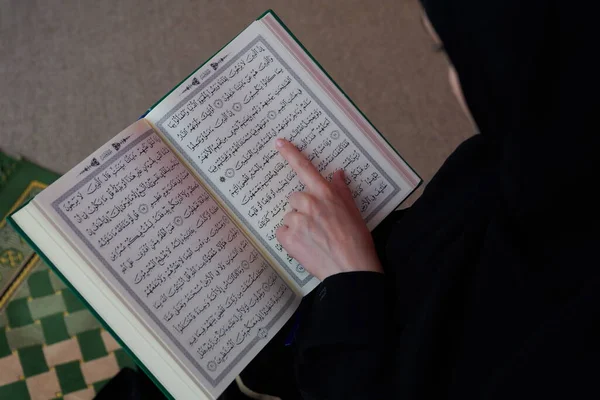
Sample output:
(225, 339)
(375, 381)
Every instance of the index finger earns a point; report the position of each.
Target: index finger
(307, 172)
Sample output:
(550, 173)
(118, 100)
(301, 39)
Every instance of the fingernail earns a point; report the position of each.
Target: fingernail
(279, 143)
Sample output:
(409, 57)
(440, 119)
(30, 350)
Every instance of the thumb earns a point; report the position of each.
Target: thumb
(339, 185)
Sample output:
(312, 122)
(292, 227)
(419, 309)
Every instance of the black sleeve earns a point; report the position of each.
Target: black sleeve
(341, 340)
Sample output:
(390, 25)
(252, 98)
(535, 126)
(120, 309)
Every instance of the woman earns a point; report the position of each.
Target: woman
(487, 287)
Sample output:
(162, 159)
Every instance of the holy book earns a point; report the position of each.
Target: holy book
(167, 231)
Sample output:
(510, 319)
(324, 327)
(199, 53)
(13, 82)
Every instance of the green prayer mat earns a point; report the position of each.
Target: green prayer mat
(19, 182)
(51, 346)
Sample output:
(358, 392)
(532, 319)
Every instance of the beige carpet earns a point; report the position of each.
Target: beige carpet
(73, 73)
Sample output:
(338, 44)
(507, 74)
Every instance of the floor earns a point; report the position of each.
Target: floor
(73, 73)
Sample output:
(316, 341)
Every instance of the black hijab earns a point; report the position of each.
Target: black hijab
(526, 69)
(494, 273)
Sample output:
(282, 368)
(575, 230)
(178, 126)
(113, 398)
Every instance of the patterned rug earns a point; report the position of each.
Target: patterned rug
(51, 346)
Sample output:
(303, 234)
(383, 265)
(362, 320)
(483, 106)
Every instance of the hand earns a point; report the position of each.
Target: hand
(324, 231)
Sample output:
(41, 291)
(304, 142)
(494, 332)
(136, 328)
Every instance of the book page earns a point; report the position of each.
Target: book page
(171, 254)
(224, 120)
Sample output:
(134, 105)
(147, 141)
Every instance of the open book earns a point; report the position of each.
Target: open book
(168, 230)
